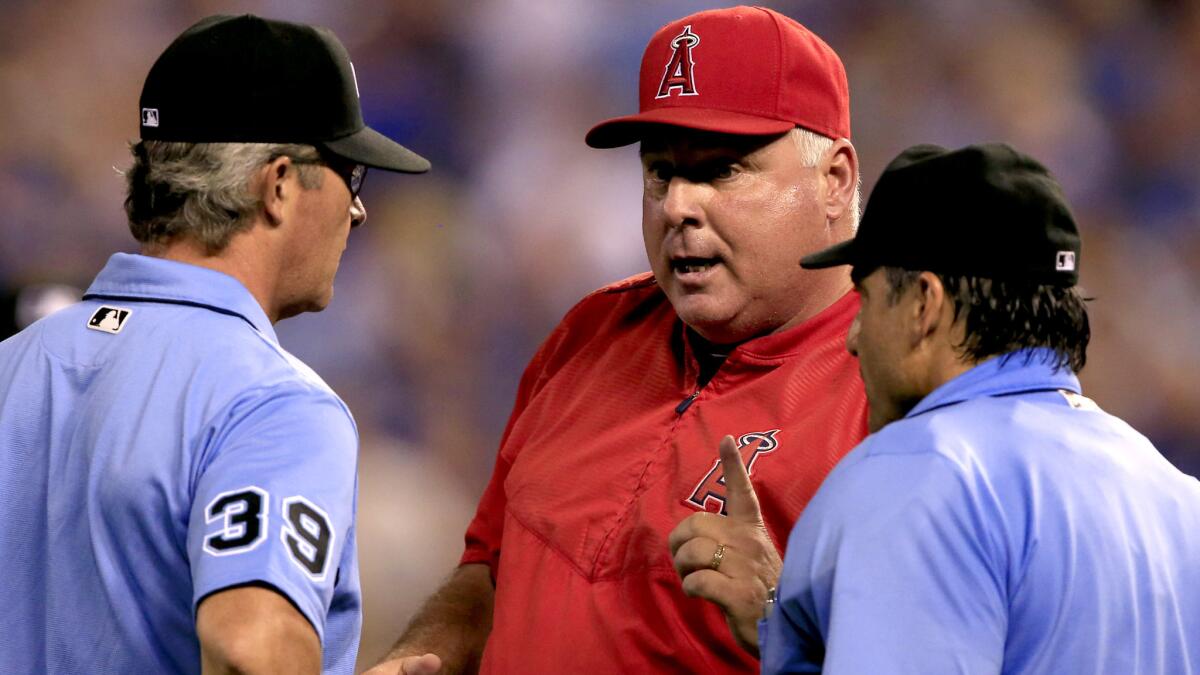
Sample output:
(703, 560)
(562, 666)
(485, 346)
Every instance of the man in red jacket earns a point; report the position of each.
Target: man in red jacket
(744, 130)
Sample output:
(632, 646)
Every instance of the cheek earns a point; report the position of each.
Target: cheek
(339, 217)
(653, 228)
(788, 201)
(651, 208)
(882, 362)
(778, 224)
(868, 347)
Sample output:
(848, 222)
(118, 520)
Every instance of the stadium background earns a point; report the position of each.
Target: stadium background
(458, 275)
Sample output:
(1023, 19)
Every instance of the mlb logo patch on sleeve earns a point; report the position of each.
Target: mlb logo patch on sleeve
(109, 319)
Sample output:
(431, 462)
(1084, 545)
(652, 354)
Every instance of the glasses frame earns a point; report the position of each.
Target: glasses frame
(354, 178)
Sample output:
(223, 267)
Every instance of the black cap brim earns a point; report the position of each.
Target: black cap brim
(838, 254)
(369, 147)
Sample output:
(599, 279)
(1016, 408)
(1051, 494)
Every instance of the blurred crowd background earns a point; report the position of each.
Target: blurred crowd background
(459, 274)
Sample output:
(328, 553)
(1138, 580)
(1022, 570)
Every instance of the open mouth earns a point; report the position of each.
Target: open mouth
(693, 265)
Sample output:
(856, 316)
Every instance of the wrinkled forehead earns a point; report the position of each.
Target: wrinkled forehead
(679, 140)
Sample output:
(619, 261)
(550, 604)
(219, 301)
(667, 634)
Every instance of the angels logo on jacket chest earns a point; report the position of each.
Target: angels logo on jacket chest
(709, 494)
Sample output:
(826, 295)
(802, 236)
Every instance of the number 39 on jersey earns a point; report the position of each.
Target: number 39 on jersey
(242, 520)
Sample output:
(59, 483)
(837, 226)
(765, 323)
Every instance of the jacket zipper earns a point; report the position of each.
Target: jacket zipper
(679, 409)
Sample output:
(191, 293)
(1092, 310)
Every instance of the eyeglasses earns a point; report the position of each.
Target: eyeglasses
(354, 180)
(354, 175)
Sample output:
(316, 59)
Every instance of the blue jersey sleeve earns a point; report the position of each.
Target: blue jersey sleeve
(274, 498)
(892, 568)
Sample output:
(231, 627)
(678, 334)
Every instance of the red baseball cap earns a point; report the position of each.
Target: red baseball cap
(742, 70)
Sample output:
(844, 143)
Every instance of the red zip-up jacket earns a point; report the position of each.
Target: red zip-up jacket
(611, 444)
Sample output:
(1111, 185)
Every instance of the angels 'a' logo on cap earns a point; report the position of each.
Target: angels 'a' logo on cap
(109, 319)
(679, 73)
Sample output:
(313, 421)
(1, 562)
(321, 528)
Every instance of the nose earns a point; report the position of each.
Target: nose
(683, 203)
(852, 337)
(358, 213)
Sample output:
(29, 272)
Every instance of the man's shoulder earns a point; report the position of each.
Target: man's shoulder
(258, 366)
(993, 438)
(633, 297)
(632, 307)
(206, 350)
(636, 287)
(630, 311)
(640, 281)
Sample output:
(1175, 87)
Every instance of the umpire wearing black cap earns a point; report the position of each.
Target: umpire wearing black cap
(177, 491)
(999, 244)
(995, 520)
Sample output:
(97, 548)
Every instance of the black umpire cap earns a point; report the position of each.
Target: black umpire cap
(983, 210)
(245, 79)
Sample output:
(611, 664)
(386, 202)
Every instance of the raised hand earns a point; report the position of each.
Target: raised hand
(729, 560)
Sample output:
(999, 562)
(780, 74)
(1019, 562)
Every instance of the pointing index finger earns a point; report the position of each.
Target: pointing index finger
(740, 501)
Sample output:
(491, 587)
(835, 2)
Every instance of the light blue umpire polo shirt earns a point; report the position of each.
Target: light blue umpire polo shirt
(1005, 525)
(158, 445)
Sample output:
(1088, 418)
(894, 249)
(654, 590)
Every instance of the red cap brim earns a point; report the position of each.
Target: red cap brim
(621, 131)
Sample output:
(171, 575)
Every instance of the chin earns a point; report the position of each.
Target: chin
(320, 304)
(711, 326)
(322, 300)
(701, 312)
(309, 305)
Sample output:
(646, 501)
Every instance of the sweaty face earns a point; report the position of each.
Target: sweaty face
(725, 219)
(878, 337)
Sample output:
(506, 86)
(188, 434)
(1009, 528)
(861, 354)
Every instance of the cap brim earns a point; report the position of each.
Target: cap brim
(838, 254)
(367, 146)
(621, 131)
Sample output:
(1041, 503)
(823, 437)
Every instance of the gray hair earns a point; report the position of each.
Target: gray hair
(812, 148)
(202, 190)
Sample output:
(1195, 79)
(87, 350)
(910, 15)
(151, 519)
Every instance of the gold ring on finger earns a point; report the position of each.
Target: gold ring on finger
(718, 556)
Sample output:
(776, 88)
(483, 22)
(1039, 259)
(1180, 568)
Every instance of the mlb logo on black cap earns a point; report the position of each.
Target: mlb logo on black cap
(109, 319)
(1065, 261)
(149, 117)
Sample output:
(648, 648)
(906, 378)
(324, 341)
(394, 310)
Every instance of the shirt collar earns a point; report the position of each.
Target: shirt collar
(142, 278)
(1013, 373)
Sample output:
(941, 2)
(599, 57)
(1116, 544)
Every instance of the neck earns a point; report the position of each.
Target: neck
(246, 259)
(822, 288)
(946, 365)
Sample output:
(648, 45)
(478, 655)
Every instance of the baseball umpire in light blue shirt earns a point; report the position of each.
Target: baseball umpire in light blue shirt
(177, 492)
(996, 521)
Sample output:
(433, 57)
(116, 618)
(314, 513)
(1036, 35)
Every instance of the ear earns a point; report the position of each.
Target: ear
(930, 309)
(839, 168)
(277, 187)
